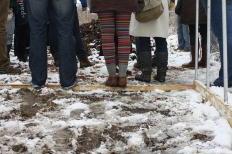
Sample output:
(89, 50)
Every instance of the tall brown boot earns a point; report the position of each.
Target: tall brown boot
(203, 61)
(191, 64)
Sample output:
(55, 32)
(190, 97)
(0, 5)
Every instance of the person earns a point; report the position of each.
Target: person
(157, 29)
(63, 22)
(187, 13)
(183, 36)
(5, 67)
(79, 47)
(22, 31)
(216, 24)
(10, 31)
(116, 44)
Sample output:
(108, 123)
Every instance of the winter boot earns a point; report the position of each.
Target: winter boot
(203, 61)
(146, 67)
(162, 66)
(191, 64)
(154, 60)
(112, 81)
(122, 82)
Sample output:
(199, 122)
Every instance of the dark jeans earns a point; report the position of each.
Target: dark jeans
(183, 35)
(79, 47)
(63, 22)
(216, 16)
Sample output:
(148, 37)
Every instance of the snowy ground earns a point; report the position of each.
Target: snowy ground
(58, 121)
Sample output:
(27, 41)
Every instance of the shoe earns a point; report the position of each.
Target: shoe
(122, 82)
(144, 77)
(219, 83)
(85, 63)
(37, 87)
(179, 48)
(10, 70)
(69, 87)
(187, 49)
(112, 81)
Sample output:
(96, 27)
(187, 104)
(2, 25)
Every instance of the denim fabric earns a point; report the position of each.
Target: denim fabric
(216, 15)
(63, 11)
(183, 35)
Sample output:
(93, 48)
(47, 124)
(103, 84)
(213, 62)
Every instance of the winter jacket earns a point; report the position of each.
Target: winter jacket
(154, 28)
(186, 9)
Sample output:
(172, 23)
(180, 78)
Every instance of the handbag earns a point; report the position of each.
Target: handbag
(97, 6)
(152, 10)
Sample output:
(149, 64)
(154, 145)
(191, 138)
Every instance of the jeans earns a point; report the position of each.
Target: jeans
(183, 35)
(4, 61)
(216, 16)
(63, 22)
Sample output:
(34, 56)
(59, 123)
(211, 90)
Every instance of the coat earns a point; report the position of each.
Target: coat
(154, 28)
(186, 9)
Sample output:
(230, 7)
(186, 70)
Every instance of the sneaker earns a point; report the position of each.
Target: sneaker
(69, 87)
(10, 70)
(37, 87)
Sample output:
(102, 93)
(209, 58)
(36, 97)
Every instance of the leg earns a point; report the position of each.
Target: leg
(123, 46)
(107, 23)
(191, 64)
(80, 50)
(143, 47)
(162, 58)
(180, 34)
(64, 23)
(38, 17)
(203, 32)
(4, 61)
(186, 37)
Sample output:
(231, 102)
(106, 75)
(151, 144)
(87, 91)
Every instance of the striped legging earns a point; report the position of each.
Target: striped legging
(115, 37)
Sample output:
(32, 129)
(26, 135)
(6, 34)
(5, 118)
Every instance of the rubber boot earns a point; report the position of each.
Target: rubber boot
(191, 64)
(203, 61)
(146, 67)
(162, 66)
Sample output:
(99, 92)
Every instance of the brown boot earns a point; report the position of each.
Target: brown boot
(85, 63)
(191, 64)
(203, 61)
(122, 82)
(10, 70)
(112, 81)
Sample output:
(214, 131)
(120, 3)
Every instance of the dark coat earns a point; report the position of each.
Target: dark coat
(113, 5)
(186, 9)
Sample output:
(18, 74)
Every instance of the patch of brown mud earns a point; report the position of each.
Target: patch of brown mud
(33, 103)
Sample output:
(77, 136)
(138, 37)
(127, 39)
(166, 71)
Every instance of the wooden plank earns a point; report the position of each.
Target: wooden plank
(129, 88)
(224, 109)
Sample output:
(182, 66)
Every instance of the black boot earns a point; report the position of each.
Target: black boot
(162, 63)
(146, 68)
(154, 60)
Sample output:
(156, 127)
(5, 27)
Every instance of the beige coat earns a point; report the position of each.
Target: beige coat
(155, 28)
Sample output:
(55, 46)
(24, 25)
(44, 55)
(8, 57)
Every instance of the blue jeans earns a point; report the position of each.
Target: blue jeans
(216, 16)
(63, 11)
(183, 35)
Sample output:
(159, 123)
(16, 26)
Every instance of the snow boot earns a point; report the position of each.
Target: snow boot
(162, 66)
(112, 81)
(122, 82)
(146, 67)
